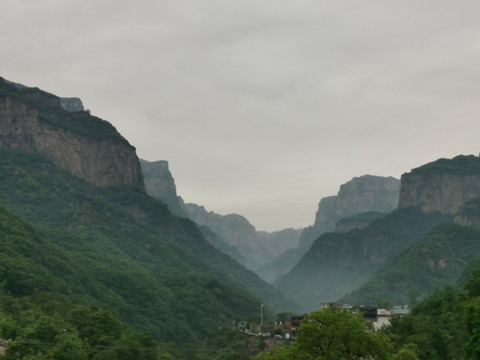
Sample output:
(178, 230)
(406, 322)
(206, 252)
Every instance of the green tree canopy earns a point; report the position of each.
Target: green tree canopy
(334, 334)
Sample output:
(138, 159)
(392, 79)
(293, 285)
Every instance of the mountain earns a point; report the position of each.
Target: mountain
(443, 185)
(338, 263)
(451, 186)
(360, 195)
(412, 255)
(438, 259)
(160, 184)
(233, 234)
(88, 147)
(99, 239)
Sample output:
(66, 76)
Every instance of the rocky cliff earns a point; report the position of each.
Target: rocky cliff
(88, 147)
(160, 184)
(444, 185)
(234, 229)
(359, 195)
(339, 262)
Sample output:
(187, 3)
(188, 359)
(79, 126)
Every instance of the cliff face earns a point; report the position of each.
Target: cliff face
(438, 192)
(160, 184)
(359, 195)
(443, 185)
(30, 122)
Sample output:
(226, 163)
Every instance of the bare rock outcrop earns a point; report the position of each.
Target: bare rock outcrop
(445, 185)
(33, 120)
(160, 184)
(359, 195)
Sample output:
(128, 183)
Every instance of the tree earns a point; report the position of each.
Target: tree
(334, 334)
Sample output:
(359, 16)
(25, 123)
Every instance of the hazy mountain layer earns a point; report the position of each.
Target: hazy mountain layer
(438, 259)
(360, 195)
(448, 187)
(338, 263)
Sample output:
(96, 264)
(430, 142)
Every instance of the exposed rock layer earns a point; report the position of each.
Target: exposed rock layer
(160, 184)
(103, 161)
(359, 195)
(438, 192)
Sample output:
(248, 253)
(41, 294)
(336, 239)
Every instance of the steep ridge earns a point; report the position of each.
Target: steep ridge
(359, 195)
(156, 269)
(256, 247)
(451, 186)
(438, 259)
(88, 147)
(234, 229)
(362, 194)
(443, 185)
(160, 184)
(416, 256)
(233, 234)
(338, 263)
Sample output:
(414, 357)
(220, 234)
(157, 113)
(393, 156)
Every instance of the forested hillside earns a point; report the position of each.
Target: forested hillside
(338, 263)
(438, 259)
(110, 245)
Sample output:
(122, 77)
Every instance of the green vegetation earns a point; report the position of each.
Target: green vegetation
(443, 326)
(333, 334)
(368, 216)
(51, 330)
(459, 165)
(338, 263)
(116, 248)
(436, 260)
(470, 210)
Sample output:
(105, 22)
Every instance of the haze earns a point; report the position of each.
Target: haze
(261, 107)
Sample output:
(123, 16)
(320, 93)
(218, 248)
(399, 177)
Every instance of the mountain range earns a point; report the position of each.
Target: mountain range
(84, 221)
(74, 180)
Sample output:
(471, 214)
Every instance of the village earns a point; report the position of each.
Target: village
(286, 326)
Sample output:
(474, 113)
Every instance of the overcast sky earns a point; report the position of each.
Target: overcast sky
(262, 107)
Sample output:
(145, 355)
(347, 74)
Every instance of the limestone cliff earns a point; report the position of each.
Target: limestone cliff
(359, 195)
(160, 184)
(444, 185)
(88, 147)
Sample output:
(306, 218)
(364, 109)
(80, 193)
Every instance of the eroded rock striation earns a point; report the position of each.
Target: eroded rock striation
(86, 146)
(445, 185)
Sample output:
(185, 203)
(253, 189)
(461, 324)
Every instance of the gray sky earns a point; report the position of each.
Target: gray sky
(262, 107)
